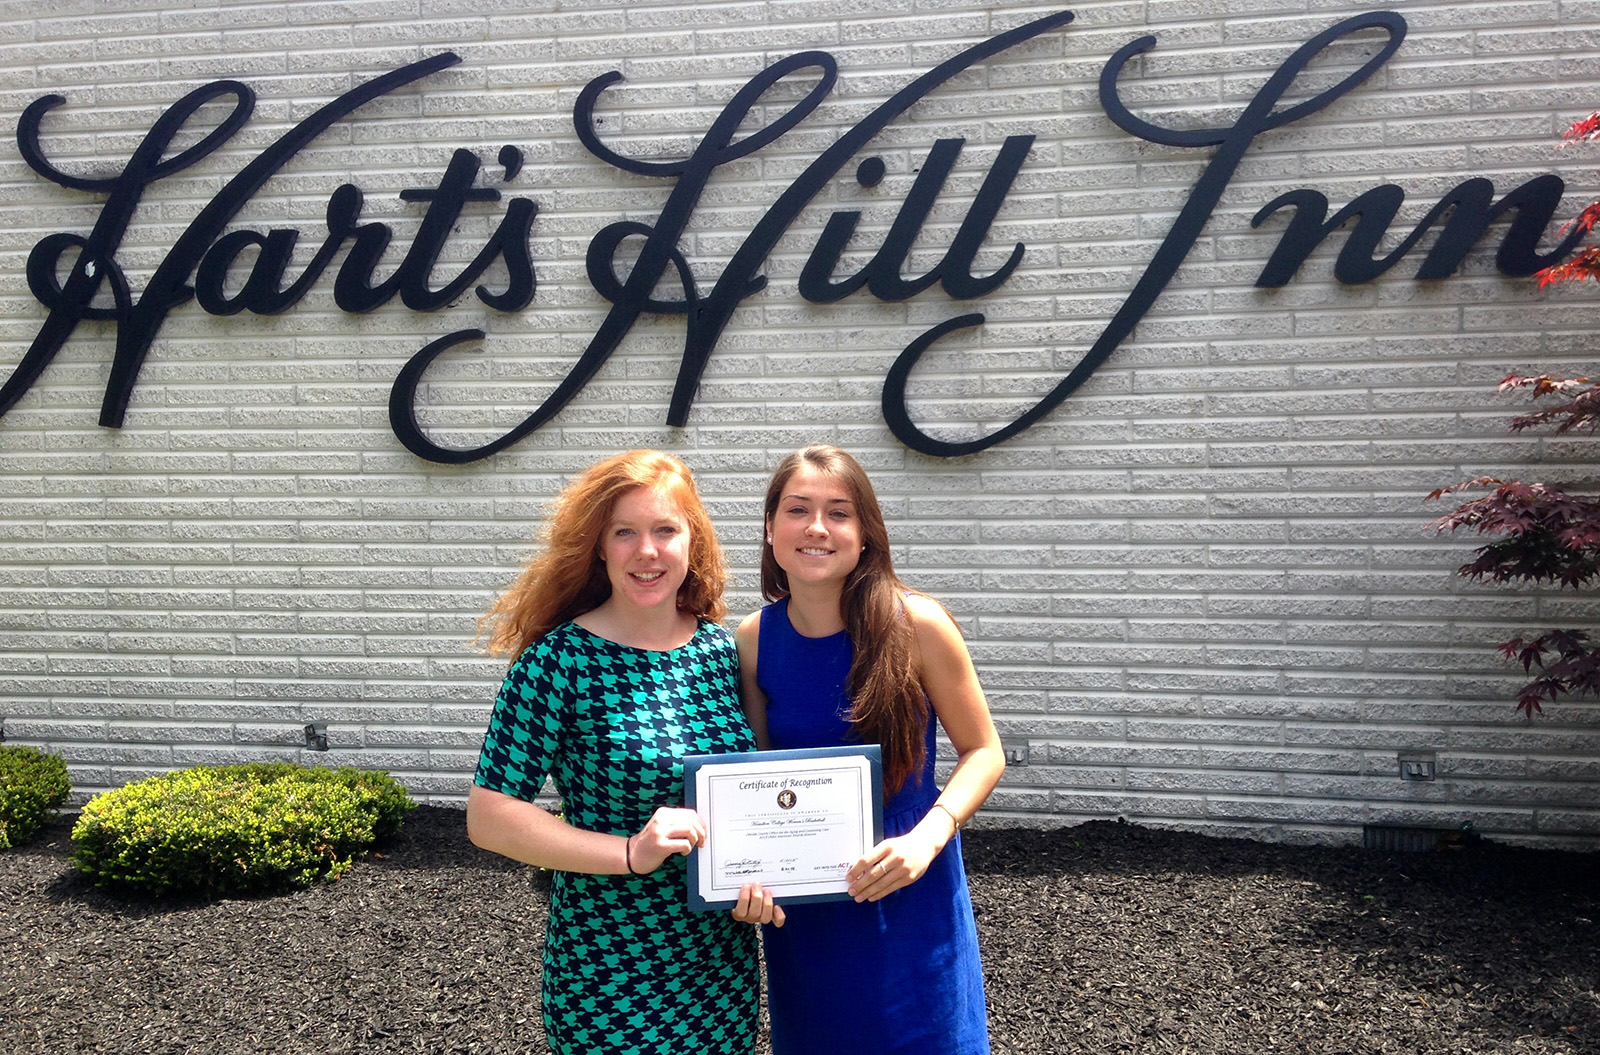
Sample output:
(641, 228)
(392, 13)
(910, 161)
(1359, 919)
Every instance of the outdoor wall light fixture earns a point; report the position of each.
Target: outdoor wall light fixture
(1417, 765)
(316, 737)
(1015, 749)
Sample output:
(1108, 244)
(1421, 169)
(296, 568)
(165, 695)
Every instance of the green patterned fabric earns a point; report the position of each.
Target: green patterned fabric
(627, 967)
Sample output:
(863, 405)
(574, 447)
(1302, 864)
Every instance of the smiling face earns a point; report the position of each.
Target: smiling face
(645, 547)
(815, 530)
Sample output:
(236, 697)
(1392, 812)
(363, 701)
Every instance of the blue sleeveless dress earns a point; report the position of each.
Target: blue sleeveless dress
(900, 975)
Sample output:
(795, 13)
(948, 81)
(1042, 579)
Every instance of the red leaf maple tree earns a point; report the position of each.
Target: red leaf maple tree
(1542, 533)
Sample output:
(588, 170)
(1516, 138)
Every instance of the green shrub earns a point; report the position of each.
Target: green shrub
(251, 829)
(32, 784)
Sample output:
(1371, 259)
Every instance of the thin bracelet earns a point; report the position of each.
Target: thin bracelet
(627, 854)
(953, 818)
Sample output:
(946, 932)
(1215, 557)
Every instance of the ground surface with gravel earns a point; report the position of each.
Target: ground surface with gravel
(1096, 939)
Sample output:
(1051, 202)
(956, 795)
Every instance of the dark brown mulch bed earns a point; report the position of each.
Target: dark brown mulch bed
(1096, 939)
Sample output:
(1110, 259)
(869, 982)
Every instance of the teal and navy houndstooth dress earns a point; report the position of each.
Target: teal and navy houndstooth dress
(627, 967)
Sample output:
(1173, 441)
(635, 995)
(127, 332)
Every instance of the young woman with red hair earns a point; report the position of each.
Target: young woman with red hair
(620, 669)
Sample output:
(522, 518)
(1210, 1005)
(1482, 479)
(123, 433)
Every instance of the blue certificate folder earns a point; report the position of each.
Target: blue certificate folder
(702, 895)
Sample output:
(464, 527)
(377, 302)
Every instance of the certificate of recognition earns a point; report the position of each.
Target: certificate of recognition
(793, 821)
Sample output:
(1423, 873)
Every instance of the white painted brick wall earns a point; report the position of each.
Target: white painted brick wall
(1200, 588)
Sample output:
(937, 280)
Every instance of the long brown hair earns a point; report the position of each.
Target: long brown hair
(566, 576)
(887, 704)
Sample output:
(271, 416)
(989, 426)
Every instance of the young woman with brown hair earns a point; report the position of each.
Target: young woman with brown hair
(849, 654)
(620, 669)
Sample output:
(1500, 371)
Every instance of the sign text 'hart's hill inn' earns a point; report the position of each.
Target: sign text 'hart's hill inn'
(77, 277)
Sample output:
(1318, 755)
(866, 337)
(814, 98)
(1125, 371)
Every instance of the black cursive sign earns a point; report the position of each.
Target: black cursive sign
(705, 317)
(1469, 207)
(1465, 213)
(201, 252)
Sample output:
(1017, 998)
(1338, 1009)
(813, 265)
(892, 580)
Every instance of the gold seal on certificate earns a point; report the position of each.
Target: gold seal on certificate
(793, 821)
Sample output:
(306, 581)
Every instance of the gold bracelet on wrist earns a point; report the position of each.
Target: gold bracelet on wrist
(949, 813)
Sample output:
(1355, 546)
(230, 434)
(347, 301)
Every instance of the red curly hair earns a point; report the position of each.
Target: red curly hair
(566, 577)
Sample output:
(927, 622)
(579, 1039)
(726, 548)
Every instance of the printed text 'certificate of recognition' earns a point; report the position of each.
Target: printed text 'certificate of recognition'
(793, 821)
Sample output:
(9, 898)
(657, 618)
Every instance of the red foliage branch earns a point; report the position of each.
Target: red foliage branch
(1575, 668)
(1581, 412)
(1543, 535)
(1549, 535)
(1585, 128)
(1585, 265)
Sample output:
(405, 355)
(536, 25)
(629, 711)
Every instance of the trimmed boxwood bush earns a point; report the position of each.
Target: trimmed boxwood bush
(251, 829)
(32, 784)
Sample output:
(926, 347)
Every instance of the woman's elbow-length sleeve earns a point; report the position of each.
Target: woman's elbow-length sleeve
(526, 725)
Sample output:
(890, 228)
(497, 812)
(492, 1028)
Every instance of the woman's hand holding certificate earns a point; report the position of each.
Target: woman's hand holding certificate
(669, 831)
(756, 905)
